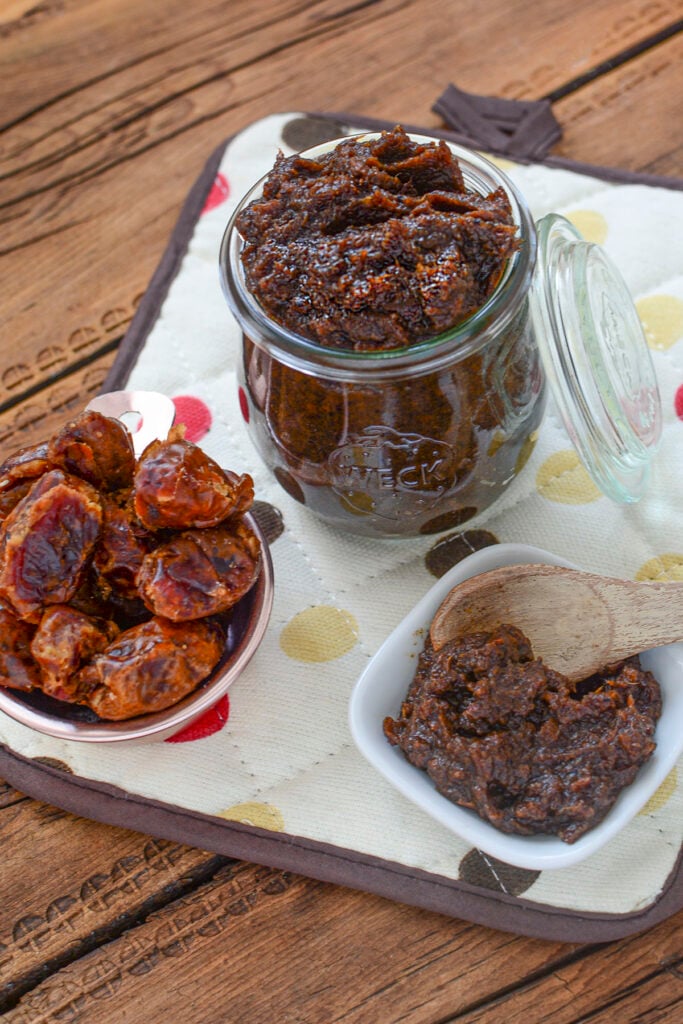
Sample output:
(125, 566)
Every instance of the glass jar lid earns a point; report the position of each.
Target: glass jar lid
(596, 358)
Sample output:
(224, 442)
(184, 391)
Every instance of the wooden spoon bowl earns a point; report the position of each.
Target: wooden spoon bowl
(577, 622)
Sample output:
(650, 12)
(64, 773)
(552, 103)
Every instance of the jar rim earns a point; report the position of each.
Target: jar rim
(459, 341)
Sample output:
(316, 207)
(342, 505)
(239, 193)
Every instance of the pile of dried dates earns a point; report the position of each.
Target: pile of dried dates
(115, 572)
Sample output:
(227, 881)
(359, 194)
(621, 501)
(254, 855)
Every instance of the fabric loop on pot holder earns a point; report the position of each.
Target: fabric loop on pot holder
(519, 128)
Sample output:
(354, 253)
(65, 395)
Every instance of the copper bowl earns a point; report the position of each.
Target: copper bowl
(245, 625)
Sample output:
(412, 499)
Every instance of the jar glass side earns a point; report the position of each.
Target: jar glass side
(412, 455)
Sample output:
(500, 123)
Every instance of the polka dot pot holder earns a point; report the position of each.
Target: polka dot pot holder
(271, 774)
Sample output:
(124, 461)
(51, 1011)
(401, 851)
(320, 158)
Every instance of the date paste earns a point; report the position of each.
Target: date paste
(503, 734)
(377, 244)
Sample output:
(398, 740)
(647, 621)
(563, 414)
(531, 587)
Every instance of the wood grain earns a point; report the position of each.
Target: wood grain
(314, 971)
(625, 981)
(34, 418)
(56, 907)
(576, 622)
(254, 945)
(646, 93)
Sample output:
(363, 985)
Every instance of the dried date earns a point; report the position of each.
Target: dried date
(123, 544)
(64, 641)
(96, 448)
(17, 667)
(178, 486)
(25, 464)
(150, 667)
(200, 572)
(46, 543)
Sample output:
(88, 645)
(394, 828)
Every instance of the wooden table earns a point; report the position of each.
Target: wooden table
(110, 109)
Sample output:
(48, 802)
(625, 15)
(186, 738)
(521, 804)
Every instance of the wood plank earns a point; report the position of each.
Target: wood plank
(645, 93)
(657, 998)
(33, 419)
(213, 957)
(120, 111)
(110, 142)
(74, 883)
(526, 50)
(9, 795)
(640, 978)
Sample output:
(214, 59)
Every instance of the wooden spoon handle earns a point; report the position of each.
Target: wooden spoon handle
(642, 615)
(577, 622)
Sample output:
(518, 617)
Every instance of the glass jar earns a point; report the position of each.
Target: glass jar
(405, 441)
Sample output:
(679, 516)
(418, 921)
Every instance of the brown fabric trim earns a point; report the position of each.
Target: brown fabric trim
(111, 805)
(107, 803)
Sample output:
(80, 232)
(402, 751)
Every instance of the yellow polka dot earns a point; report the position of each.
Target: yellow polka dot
(321, 633)
(662, 795)
(261, 815)
(497, 442)
(500, 161)
(357, 503)
(590, 223)
(662, 320)
(563, 478)
(662, 567)
(525, 451)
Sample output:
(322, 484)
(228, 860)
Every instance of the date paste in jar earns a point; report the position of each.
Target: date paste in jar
(381, 254)
(374, 245)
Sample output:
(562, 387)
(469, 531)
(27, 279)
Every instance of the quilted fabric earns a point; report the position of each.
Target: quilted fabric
(279, 755)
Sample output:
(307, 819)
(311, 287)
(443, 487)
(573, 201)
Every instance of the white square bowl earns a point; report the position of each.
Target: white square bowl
(384, 684)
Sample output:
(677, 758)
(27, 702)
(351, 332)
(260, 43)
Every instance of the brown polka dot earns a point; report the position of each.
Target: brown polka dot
(269, 519)
(52, 762)
(489, 873)
(662, 320)
(289, 484)
(257, 814)
(304, 132)
(448, 552)
(662, 795)
(320, 633)
(563, 478)
(662, 567)
(448, 520)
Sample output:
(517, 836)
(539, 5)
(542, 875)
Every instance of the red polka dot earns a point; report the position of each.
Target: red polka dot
(195, 414)
(244, 404)
(207, 724)
(678, 402)
(220, 190)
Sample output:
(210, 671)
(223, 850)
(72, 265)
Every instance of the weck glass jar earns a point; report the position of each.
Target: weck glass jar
(409, 440)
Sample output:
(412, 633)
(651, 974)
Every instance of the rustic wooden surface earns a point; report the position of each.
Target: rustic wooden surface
(110, 109)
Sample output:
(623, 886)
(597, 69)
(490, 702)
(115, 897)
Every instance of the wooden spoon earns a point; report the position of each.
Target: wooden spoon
(577, 622)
